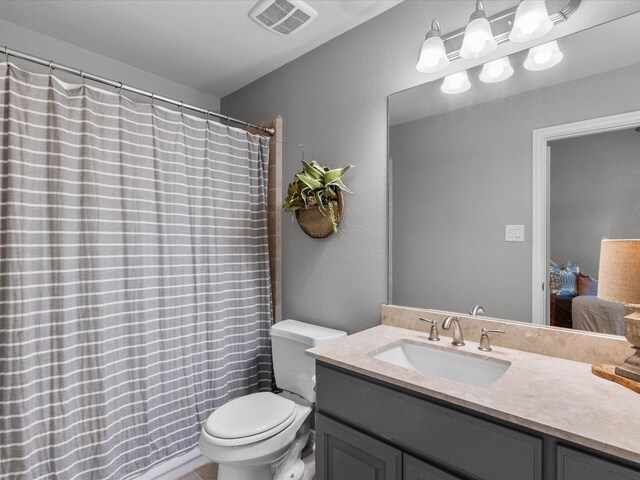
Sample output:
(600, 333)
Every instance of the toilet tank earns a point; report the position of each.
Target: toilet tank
(293, 369)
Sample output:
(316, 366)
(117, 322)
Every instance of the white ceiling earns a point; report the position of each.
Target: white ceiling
(212, 46)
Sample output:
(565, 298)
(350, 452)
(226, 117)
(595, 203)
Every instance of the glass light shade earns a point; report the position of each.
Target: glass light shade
(543, 56)
(433, 57)
(532, 21)
(496, 71)
(456, 83)
(478, 39)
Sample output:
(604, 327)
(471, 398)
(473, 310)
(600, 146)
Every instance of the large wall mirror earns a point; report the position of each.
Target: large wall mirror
(463, 168)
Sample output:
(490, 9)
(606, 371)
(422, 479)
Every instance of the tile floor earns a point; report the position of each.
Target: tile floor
(205, 472)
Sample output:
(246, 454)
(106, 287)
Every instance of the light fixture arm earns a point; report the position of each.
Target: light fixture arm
(435, 30)
(501, 25)
(479, 13)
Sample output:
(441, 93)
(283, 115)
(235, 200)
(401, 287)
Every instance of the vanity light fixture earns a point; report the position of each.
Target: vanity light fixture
(543, 56)
(528, 20)
(456, 83)
(496, 71)
(433, 56)
(532, 21)
(478, 38)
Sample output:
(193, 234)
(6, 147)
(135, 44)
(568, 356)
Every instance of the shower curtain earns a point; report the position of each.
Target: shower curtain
(134, 278)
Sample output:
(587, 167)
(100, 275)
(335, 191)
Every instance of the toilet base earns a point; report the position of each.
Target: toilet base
(230, 472)
(295, 471)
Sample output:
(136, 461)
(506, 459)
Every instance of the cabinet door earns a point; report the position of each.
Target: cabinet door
(575, 465)
(343, 453)
(415, 469)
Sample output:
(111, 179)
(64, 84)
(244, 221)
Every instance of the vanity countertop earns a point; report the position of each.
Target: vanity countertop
(555, 396)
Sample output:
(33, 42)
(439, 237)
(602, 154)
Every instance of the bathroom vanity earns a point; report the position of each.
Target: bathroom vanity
(545, 418)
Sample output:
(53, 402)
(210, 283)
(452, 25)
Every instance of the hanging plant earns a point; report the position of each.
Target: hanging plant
(315, 196)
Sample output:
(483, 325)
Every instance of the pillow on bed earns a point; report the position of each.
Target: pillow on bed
(564, 280)
(587, 285)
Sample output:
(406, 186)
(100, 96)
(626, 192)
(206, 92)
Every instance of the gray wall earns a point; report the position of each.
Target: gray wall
(29, 41)
(461, 176)
(594, 193)
(334, 99)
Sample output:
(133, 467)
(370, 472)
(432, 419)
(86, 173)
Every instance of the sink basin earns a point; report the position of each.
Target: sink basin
(464, 367)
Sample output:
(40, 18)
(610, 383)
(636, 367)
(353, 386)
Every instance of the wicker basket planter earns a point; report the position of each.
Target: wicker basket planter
(311, 189)
(315, 224)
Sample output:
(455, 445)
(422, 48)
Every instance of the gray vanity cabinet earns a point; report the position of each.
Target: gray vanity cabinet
(574, 465)
(450, 440)
(415, 469)
(350, 455)
(370, 430)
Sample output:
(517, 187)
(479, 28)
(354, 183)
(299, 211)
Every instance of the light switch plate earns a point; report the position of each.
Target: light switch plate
(514, 233)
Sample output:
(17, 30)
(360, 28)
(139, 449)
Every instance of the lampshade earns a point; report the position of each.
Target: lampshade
(532, 21)
(543, 56)
(619, 276)
(496, 71)
(478, 38)
(456, 83)
(433, 56)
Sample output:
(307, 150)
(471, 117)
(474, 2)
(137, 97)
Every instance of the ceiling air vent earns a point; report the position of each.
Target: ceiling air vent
(282, 16)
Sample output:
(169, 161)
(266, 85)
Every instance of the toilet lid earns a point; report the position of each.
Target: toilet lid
(250, 415)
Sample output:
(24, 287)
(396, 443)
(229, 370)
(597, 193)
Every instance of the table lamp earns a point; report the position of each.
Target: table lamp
(619, 281)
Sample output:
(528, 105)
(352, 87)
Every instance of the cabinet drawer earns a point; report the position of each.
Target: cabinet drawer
(575, 465)
(346, 454)
(460, 442)
(415, 469)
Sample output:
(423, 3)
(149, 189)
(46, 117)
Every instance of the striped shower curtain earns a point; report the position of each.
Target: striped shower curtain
(134, 278)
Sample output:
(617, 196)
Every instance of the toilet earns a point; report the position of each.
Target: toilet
(260, 436)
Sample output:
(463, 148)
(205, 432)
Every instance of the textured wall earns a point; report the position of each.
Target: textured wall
(459, 179)
(594, 193)
(334, 99)
(29, 41)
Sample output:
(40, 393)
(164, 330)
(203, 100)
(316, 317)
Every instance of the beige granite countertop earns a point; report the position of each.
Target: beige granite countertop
(555, 396)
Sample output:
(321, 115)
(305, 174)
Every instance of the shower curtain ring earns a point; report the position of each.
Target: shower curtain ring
(119, 92)
(181, 106)
(153, 97)
(227, 120)
(50, 68)
(82, 76)
(6, 53)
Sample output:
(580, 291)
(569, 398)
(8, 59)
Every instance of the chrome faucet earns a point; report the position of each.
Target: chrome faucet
(477, 310)
(458, 340)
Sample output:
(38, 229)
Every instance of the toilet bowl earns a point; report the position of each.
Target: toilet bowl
(259, 444)
(260, 436)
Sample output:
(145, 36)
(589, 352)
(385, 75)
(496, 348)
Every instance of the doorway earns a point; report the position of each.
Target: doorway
(541, 252)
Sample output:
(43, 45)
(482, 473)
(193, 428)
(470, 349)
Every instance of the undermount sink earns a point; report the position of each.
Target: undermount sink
(464, 367)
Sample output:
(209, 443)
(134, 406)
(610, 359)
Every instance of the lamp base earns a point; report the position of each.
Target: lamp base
(631, 367)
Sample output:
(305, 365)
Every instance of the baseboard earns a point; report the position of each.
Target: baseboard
(176, 467)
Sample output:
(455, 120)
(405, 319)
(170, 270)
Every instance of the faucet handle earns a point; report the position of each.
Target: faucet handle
(485, 344)
(434, 335)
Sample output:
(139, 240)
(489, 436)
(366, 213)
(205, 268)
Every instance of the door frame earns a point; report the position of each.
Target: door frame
(540, 217)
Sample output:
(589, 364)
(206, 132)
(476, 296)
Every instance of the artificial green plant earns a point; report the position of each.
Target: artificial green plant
(317, 186)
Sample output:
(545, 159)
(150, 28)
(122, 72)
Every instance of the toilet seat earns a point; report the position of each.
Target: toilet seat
(250, 419)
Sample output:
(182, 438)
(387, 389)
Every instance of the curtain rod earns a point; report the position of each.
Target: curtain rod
(121, 86)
